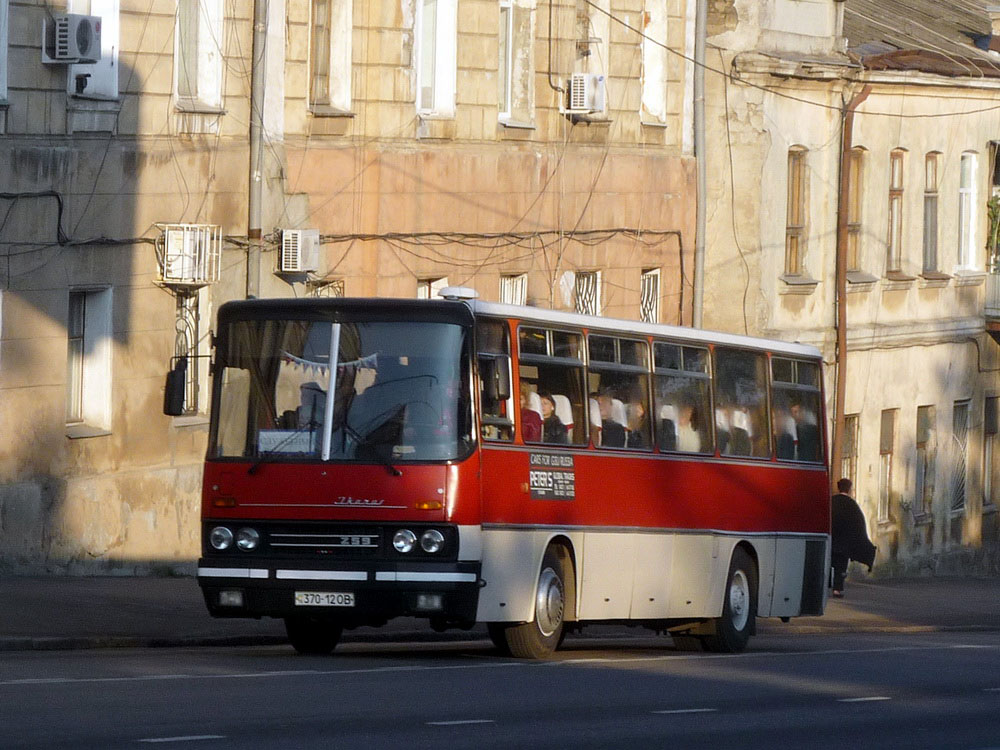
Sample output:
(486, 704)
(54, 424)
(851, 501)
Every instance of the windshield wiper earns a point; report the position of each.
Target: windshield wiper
(387, 434)
(263, 457)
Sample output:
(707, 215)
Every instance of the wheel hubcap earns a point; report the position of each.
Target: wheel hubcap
(549, 602)
(739, 600)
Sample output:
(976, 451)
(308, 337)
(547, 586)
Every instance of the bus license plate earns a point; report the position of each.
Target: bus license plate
(324, 599)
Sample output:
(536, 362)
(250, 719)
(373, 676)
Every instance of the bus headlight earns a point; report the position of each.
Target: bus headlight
(432, 541)
(247, 539)
(221, 538)
(403, 540)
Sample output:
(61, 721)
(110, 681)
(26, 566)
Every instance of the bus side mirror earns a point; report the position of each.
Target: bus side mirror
(496, 379)
(173, 392)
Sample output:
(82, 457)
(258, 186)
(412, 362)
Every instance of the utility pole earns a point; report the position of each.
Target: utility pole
(257, 76)
(843, 206)
(700, 32)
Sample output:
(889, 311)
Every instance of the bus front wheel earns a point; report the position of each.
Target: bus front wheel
(311, 635)
(539, 638)
(739, 608)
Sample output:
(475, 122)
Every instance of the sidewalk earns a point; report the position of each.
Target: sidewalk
(69, 612)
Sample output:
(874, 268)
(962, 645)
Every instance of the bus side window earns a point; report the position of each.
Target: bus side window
(496, 399)
(682, 393)
(551, 361)
(741, 419)
(619, 392)
(796, 410)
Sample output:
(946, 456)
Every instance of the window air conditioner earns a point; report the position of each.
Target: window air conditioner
(299, 251)
(190, 254)
(71, 38)
(586, 93)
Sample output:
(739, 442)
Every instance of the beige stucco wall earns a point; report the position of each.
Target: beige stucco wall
(911, 343)
(129, 499)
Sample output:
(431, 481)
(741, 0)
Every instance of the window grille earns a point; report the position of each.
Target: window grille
(514, 289)
(588, 292)
(931, 212)
(649, 296)
(796, 211)
(186, 337)
(894, 244)
(855, 203)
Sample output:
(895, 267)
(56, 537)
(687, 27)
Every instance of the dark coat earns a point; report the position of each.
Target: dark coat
(849, 532)
(554, 431)
(612, 434)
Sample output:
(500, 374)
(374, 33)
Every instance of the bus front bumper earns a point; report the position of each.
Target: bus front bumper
(354, 594)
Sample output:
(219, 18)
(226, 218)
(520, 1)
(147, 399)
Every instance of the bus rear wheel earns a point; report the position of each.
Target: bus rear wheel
(540, 637)
(739, 608)
(312, 635)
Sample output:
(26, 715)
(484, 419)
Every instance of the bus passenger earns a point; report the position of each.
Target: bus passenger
(612, 432)
(531, 420)
(553, 430)
(638, 422)
(688, 439)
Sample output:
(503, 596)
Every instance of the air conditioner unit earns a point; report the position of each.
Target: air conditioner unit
(586, 93)
(71, 38)
(299, 251)
(190, 254)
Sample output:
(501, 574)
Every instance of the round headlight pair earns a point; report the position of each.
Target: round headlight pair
(431, 541)
(222, 538)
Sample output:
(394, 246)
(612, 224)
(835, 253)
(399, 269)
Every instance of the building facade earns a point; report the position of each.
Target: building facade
(917, 235)
(539, 153)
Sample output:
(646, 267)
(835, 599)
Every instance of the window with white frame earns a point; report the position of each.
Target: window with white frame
(925, 459)
(98, 80)
(330, 32)
(960, 454)
(967, 216)
(931, 164)
(795, 214)
(198, 54)
(849, 451)
(894, 242)
(587, 292)
(991, 468)
(649, 296)
(654, 63)
(429, 288)
(435, 56)
(514, 289)
(887, 439)
(88, 359)
(506, 61)
(855, 204)
(193, 345)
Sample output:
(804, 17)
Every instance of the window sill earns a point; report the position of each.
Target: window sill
(990, 508)
(186, 106)
(657, 125)
(923, 519)
(83, 430)
(897, 281)
(516, 124)
(957, 512)
(594, 118)
(796, 283)
(968, 277)
(191, 420)
(859, 281)
(321, 110)
(934, 279)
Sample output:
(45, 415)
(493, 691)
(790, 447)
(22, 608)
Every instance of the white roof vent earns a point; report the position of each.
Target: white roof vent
(458, 293)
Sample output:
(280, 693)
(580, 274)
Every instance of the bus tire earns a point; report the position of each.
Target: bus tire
(540, 637)
(739, 607)
(498, 634)
(311, 635)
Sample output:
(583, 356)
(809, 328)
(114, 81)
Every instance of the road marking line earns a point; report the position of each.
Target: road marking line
(867, 699)
(460, 721)
(188, 738)
(686, 711)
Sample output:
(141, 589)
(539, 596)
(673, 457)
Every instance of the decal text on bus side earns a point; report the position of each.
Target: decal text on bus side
(551, 477)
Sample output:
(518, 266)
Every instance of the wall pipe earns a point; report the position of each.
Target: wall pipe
(257, 80)
(700, 32)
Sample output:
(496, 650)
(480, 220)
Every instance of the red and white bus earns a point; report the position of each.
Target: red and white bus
(471, 462)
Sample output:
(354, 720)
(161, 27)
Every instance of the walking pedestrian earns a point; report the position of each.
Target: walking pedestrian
(849, 536)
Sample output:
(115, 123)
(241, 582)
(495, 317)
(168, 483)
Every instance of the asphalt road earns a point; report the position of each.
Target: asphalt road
(931, 690)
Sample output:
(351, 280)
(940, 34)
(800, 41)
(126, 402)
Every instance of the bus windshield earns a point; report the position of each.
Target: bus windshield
(401, 391)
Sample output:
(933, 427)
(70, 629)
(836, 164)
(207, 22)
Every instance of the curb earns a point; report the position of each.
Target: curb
(13, 644)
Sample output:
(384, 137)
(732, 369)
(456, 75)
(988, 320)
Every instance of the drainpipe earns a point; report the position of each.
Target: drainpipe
(257, 73)
(700, 26)
(843, 203)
